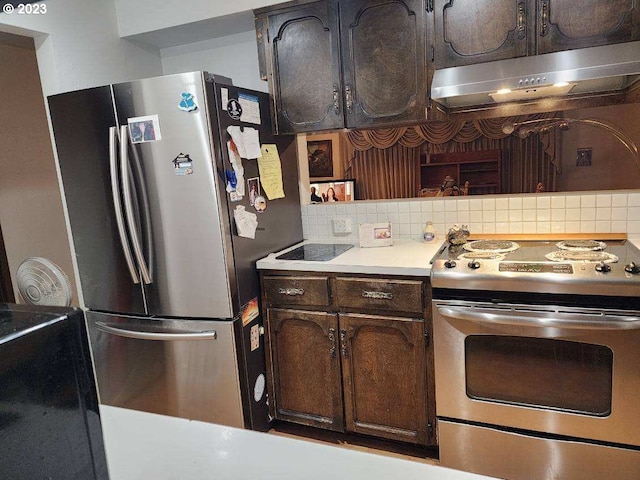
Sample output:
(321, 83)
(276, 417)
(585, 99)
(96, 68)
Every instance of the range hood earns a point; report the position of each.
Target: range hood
(585, 71)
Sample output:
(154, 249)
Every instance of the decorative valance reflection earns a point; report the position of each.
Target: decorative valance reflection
(385, 161)
(436, 132)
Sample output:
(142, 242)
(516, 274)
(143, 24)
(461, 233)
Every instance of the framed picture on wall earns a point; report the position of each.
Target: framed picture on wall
(320, 158)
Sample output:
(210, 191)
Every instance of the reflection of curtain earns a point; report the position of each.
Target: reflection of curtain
(386, 173)
(376, 157)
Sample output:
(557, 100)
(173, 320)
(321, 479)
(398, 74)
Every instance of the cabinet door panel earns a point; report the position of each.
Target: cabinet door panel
(475, 31)
(384, 61)
(306, 368)
(306, 69)
(568, 24)
(384, 377)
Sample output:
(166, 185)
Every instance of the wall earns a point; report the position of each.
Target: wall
(234, 56)
(78, 46)
(31, 212)
(600, 212)
(613, 166)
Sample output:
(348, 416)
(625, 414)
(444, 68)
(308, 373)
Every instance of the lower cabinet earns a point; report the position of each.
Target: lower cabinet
(306, 382)
(384, 377)
(363, 371)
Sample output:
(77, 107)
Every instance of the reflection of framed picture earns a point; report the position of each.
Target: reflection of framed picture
(320, 158)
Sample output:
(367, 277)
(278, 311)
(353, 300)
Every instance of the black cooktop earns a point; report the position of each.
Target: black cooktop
(316, 252)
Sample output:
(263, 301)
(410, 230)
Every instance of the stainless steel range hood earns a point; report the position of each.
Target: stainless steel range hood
(608, 68)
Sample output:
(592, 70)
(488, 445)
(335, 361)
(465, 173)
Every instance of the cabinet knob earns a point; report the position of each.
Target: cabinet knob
(343, 342)
(544, 17)
(349, 97)
(332, 341)
(521, 21)
(336, 100)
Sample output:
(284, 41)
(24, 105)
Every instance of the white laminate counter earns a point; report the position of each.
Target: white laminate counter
(145, 446)
(405, 257)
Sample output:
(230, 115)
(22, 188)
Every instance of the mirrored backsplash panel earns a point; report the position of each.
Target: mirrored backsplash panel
(613, 211)
(580, 151)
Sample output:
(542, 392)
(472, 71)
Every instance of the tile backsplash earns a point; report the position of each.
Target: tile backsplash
(599, 212)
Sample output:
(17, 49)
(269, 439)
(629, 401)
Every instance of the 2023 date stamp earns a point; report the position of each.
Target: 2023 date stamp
(24, 8)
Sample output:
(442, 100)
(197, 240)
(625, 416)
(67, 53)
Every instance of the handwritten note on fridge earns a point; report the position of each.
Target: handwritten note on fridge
(271, 171)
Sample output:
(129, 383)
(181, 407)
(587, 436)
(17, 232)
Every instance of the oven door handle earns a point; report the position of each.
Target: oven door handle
(574, 321)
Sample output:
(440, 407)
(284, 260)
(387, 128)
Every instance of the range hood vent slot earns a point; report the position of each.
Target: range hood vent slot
(609, 68)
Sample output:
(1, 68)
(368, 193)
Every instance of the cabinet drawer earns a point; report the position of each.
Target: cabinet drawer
(396, 295)
(296, 290)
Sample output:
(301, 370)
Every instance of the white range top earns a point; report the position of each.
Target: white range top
(145, 446)
(405, 257)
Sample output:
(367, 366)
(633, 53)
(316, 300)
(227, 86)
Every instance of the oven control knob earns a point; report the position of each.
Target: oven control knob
(450, 264)
(474, 265)
(632, 268)
(603, 267)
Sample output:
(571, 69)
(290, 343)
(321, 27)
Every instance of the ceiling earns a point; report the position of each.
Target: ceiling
(197, 31)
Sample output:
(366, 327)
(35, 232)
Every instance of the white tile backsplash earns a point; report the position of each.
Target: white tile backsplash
(601, 212)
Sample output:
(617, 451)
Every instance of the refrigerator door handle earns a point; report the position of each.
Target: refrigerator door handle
(144, 335)
(128, 204)
(115, 192)
(137, 167)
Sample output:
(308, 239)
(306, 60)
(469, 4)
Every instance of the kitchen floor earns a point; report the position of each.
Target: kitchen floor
(356, 442)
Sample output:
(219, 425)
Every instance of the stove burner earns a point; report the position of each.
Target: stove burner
(581, 245)
(494, 246)
(581, 256)
(481, 256)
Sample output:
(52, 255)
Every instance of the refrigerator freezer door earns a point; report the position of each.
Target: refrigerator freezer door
(82, 122)
(180, 368)
(189, 245)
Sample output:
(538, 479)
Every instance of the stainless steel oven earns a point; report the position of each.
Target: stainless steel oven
(531, 383)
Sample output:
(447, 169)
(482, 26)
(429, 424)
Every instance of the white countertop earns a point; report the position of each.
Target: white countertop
(405, 257)
(144, 446)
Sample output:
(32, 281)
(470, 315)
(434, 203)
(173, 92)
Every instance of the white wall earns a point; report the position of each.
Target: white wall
(234, 56)
(141, 16)
(78, 45)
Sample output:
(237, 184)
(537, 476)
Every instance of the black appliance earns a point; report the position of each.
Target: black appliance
(49, 420)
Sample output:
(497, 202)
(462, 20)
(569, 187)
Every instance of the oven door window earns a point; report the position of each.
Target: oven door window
(539, 372)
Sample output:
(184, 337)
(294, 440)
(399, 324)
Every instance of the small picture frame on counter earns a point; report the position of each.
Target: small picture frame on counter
(375, 235)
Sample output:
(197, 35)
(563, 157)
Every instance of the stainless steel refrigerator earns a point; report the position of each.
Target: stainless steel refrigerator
(169, 286)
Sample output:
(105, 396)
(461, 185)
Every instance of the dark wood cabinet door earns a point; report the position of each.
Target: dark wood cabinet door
(569, 24)
(306, 68)
(306, 383)
(384, 61)
(384, 377)
(475, 31)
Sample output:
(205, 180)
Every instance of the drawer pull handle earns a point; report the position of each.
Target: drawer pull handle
(332, 340)
(377, 295)
(292, 292)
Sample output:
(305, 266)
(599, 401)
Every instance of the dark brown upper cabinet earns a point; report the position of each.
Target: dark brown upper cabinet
(306, 80)
(475, 31)
(383, 61)
(355, 64)
(569, 24)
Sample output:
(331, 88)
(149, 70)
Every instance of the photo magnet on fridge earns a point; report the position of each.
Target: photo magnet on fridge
(144, 129)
